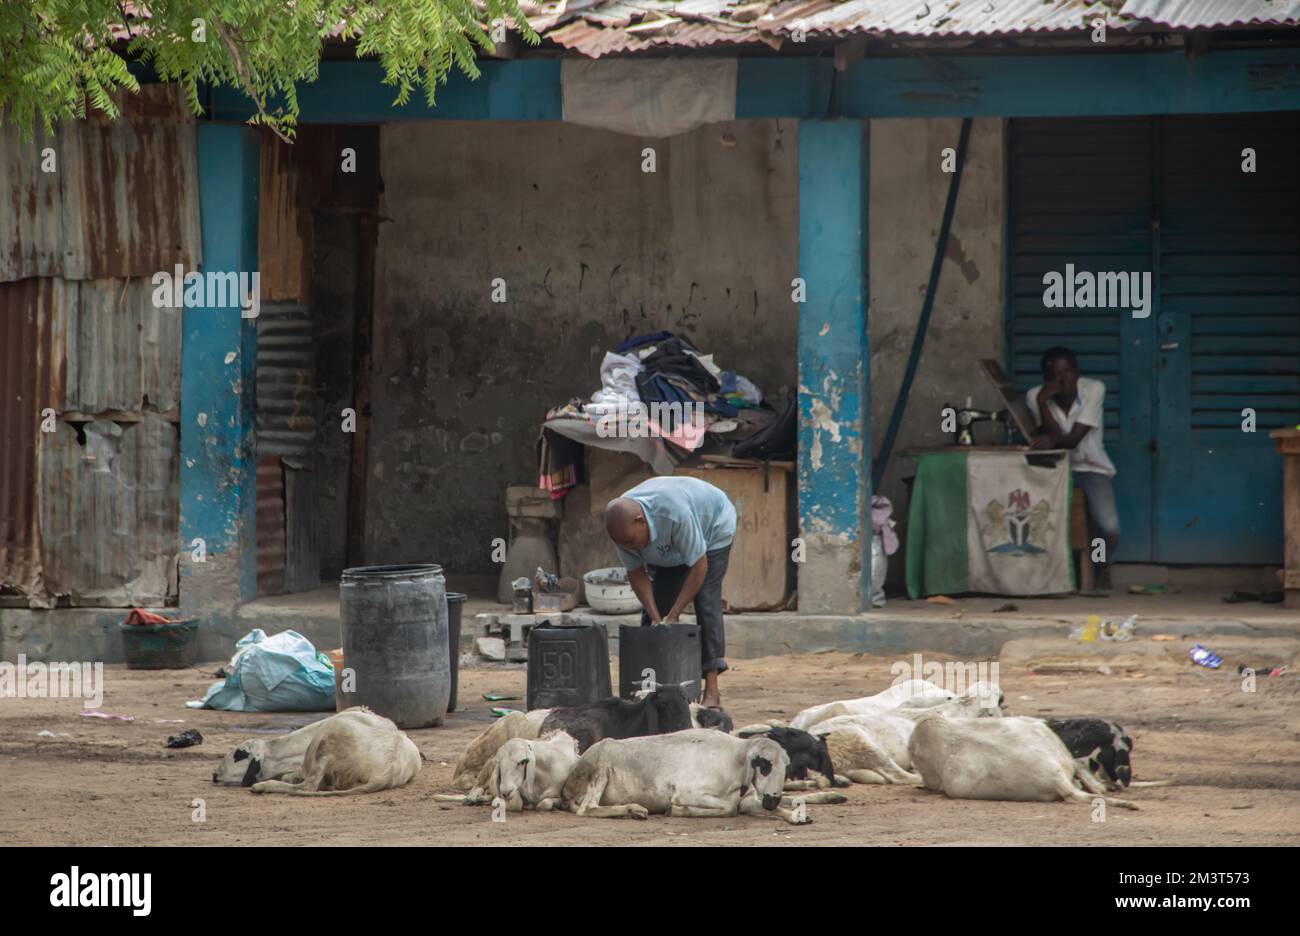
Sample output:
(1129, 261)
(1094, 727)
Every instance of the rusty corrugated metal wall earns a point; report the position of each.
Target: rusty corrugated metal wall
(284, 218)
(88, 495)
(102, 199)
(288, 513)
(31, 375)
(270, 526)
(108, 511)
(288, 523)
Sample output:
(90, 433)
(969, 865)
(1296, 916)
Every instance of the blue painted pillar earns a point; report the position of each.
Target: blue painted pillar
(218, 474)
(834, 405)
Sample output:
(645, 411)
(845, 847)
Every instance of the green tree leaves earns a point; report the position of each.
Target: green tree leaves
(59, 56)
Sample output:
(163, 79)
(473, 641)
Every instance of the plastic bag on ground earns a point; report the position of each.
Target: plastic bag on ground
(283, 673)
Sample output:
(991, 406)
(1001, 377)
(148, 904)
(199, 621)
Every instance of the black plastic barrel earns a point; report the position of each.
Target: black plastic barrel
(567, 665)
(671, 652)
(394, 622)
(455, 605)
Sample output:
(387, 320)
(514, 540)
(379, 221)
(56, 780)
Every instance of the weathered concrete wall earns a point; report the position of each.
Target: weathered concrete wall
(592, 250)
(218, 475)
(834, 465)
(908, 191)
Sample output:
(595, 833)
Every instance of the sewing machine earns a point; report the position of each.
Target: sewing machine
(967, 417)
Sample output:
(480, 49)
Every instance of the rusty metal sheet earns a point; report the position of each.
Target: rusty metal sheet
(109, 512)
(302, 546)
(270, 526)
(122, 199)
(286, 382)
(123, 353)
(1206, 14)
(283, 221)
(32, 378)
(594, 41)
(915, 19)
(615, 26)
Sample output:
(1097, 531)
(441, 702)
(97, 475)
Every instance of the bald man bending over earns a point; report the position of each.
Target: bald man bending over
(673, 535)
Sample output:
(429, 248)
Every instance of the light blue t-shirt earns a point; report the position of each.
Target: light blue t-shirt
(687, 517)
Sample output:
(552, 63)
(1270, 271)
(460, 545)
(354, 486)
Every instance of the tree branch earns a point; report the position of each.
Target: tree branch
(242, 72)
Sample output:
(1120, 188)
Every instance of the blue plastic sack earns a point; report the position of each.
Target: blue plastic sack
(284, 673)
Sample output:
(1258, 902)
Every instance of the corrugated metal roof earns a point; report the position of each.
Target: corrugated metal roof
(595, 28)
(937, 18)
(603, 28)
(1205, 14)
(122, 199)
(108, 512)
(594, 41)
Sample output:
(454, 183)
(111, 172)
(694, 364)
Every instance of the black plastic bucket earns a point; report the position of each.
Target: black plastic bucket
(567, 665)
(394, 623)
(670, 652)
(455, 605)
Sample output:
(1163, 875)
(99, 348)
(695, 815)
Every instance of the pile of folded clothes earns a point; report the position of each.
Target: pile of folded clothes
(664, 368)
(656, 368)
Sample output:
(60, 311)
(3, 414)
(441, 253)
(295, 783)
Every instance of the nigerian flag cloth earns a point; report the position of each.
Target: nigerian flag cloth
(989, 522)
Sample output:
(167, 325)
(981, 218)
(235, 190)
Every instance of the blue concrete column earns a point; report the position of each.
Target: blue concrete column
(834, 405)
(218, 473)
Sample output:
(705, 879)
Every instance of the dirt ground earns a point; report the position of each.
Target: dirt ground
(1234, 756)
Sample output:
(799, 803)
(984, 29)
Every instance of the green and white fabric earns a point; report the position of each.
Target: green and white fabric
(988, 522)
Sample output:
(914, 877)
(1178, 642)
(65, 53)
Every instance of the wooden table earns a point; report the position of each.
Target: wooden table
(1288, 446)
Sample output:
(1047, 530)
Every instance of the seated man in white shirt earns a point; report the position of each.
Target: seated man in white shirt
(1070, 413)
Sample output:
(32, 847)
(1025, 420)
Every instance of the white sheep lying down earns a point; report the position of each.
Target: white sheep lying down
(533, 773)
(699, 772)
(870, 748)
(873, 748)
(909, 697)
(355, 751)
(1014, 758)
(476, 764)
(524, 773)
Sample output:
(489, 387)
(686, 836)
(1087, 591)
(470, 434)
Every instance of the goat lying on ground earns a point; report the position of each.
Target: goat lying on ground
(482, 751)
(355, 751)
(1101, 747)
(526, 773)
(658, 712)
(533, 773)
(916, 693)
(999, 759)
(699, 772)
(872, 748)
(806, 752)
(268, 758)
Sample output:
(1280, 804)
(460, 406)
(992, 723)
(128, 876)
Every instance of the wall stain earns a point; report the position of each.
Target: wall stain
(957, 255)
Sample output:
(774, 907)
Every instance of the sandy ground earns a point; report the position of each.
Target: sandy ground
(1234, 755)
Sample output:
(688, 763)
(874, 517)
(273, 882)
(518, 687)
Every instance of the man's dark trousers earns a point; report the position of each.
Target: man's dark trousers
(666, 582)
